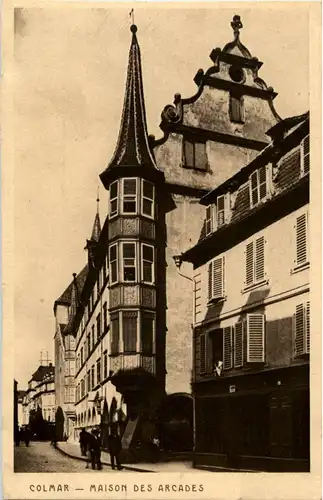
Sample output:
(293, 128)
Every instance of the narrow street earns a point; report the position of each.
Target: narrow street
(42, 457)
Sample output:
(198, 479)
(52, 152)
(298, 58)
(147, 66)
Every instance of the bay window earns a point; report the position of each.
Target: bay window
(129, 196)
(129, 261)
(129, 329)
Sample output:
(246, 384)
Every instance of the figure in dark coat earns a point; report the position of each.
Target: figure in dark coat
(114, 445)
(84, 439)
(95, 449)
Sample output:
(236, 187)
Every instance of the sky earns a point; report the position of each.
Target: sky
(69, 77)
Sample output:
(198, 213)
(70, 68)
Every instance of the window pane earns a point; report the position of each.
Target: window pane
(113, 252)
(113, 206)
(129, 186)
(147, 207)
(200, 155)
(148, 253)
(148, 190)
(147, 272)
(147, 334)
(114, 334)
(114, 272)
(129, 250)
(129, 331)
(129, 274)
(129, 207)
(114, 190)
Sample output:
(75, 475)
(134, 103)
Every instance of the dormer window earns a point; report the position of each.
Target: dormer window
(259, 186)
(236, 108)
(217, 214)
(194, 155)
(305, 155)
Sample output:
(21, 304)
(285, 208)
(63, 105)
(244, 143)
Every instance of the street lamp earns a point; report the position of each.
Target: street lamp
(178, 259)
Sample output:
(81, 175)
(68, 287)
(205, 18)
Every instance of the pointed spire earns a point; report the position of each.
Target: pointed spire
(96, 231)
(73, 306)
(132, 149)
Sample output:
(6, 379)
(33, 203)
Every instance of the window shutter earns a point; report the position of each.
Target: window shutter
(254, 188)
(202, 353)
(188, 153)
(227, 348)
(249, 263)
(306, 155)
(210, 274)
(200, 156)
(262, 182)
(236, 108)
(218, 281)
(301, 239)
(208, 220)
(255, 338)
(260, 259)
(238, 345)
(220, 202)
(307, 328)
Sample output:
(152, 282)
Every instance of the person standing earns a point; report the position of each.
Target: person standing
(83, 442)
(114, 445)
(95, 449)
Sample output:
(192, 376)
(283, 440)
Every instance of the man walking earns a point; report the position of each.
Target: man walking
(95, 449)
(114, 445)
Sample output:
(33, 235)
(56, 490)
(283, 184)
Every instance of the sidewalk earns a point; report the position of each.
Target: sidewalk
(73, 450)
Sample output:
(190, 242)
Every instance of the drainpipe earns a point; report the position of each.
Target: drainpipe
(178, 262)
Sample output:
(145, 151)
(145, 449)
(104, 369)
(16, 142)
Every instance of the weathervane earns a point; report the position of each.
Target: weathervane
(98, 200)
(132, 15)
(236, 25)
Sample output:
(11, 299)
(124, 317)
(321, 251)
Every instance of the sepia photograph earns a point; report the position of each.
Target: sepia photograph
(161, 233)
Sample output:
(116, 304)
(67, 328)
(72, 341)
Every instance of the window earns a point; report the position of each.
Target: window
(255, 338)
(202, 353)
(113, 199)
(88, 381)
(147, 333)
(221, 210)
(98, 326)
(258, 186)
(227, 348)
(105, 365)
(129, 196)
(216, 337)
(238, 345)
(82, 358)
(105, 316)
(301, 239)
(129, 329)
(216, 279)
(209, 220)
(236, 109)
(148, 198)
(129, 261)
(255, 261)
(98, 371)
(305, 155)
(302, 329)
(113, 254)
(115, 334)
(88, 344)
(147, 263)
(195, 155)
(92, 377)
(93, 336)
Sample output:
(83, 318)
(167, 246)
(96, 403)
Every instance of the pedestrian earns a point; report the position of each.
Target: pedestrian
(114, 445)
(27, 436)
(83, 442)
(95, 449)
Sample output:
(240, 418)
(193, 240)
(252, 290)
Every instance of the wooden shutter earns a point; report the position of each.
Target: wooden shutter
(208, 220)
(255, 338)
(202, 353)
(262, 178)
(200, 156)
(249, 264)
(210, 275)
(254, 188)
(260, 259)
(220, 210)
(218, 278)
(227, 348)
(301, 239)
(306, 155)
(188, 153)
(238, 345)
(236, 108)
(307, 328)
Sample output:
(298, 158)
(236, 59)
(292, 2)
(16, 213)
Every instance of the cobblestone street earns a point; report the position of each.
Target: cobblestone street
(42, 457)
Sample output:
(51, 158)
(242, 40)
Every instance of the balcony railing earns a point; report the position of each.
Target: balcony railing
(131, 361)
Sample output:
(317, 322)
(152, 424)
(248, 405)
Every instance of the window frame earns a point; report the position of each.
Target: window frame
(142, 260)
(256, 261)
(116, 199)
(211, 275)
(116, 261)
(129, 197)
(193, 143)
(135, 266)
(240, 100)
(256, 173)
(132, 314)
(152, 200)
(151, 316)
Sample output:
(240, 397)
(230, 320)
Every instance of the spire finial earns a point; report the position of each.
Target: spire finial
(98, 199)
(133, 27)
(236, 25)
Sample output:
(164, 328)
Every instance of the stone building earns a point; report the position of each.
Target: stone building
(144, 346)
(252, 311)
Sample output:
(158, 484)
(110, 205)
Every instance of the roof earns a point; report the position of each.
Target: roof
(65, 298)
(42, 371)
(96, 228)
(73, 307)
(132, 148)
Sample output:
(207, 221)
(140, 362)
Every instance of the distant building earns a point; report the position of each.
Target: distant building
(40, 394)
(252, 311)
